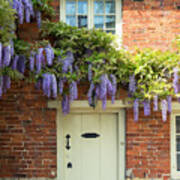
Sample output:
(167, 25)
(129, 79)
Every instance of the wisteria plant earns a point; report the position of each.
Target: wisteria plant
(67, 56)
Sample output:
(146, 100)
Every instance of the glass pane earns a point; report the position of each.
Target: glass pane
(82, 7)
(110, 21)
(99, 21)
(71, 20)
(70, 7)
(177, 143)
(82, 21)
(110, 7)
(110, 31)
(178, 162)
(98, 7)
(177, 124)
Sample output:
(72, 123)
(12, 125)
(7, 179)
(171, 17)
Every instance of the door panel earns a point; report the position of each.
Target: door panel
(109, 147)
(92, 158)
(90, 147)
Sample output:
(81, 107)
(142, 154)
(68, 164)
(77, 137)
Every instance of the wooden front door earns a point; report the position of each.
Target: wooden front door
(89, 146)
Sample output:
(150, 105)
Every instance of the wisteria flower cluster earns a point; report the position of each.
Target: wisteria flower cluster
(5, 84)
(52, 85)
(49, 85)
(166, 104)
(6, 52)
(41, 58)
(107, 86)
(9, 62)
(25, 11)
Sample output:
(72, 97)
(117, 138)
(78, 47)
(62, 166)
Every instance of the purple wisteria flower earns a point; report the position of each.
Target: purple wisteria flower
(103, 86)
(104, 102)
(20, 11)
(39, 58)
(109, 87)
(1, 86)
(164, 109)
(176, 80)
(65, 104)
(21, 64)
(97, 91)
(73, 92)
(155, 103)
(114, 87)
(49, 54)
(90, 72)
(54, 85)
(147, 107)
(21, 7)
(6, 83)
(27, 15)
(32, 61)
(1, 52)
(46, 86)
(14, 63)
(132, 84)
(12, 47)
(61, 86)
(43, 61)
(136, 109)
(38, 84)
(67, 62)
(52, 51)
(38, 18)
(90, 93)
(15, 4)
(169, 101)
(6, 55)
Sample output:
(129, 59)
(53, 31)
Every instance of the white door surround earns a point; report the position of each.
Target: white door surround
(83, 107)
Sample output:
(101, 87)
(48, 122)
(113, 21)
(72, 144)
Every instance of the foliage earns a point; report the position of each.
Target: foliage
(6, 22)
(66, 56)
(44, 6)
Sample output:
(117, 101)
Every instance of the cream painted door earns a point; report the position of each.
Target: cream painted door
(90, 147)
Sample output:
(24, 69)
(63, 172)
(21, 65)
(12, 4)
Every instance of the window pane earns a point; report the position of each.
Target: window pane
(82, 7)
(110, 31)
(98, 7)
(110, 21)
(110, 7)
(177, 124)
(71, 20)
(99, 21)
(178, 143)
(178, 162)
(70, 7)
(82, 21)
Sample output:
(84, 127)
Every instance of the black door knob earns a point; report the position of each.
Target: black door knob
(69, 165)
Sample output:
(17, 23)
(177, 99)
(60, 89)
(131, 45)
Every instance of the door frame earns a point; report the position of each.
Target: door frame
(82, 106)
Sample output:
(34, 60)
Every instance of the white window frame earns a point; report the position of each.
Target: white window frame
(118, 14)
(175, 175)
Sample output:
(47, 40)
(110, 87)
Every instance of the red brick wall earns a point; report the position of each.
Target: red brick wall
(27, 134)
(148, 146)
(28, 128)
(146, 24)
